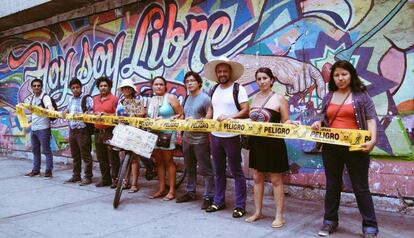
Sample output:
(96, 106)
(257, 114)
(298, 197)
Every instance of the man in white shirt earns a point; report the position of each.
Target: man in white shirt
(41, 133)
(229, 101)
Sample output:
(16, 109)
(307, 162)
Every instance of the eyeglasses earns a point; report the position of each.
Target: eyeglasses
(36, 86)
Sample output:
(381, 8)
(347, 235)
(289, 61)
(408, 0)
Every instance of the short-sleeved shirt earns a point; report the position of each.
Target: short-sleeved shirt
(107, 105)
(223, 104)
(75, 106)
(196, 107)
(39, 122)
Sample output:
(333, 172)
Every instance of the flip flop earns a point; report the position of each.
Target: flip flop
(156, 195)
(166, 198)
(278, 224)
(252, 218)
(133, 189)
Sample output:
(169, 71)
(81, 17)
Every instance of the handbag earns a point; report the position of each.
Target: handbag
(164, 139)
(245, 139)
(318, 145)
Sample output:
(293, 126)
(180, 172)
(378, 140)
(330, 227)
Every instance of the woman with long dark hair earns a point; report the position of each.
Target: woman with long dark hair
(347, 106)
(268, 155)
(165, 106)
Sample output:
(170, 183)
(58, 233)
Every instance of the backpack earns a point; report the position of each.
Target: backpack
(235, 94)
(52, 100)
(89, 126)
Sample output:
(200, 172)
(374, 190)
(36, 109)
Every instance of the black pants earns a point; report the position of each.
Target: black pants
(108, 158)
(80, 147)
(357, 163)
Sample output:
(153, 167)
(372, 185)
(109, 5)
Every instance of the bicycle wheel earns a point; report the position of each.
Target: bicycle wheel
(121, 178)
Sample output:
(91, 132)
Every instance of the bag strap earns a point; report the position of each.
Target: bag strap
(337, 111)
(267, 99)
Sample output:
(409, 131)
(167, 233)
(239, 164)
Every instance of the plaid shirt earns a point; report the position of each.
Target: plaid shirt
(74, 106)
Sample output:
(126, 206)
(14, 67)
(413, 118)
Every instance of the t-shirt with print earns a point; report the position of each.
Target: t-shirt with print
(39, 122)
(196, 107)
(223, 104)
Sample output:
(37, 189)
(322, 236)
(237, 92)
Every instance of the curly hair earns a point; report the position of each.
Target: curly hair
(104, 79)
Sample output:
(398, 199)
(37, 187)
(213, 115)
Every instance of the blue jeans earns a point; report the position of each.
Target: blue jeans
(230, 148)
(41, 139)
(199, 153)
(335, 157)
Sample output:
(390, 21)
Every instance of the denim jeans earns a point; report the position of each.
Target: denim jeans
(230, 148)
(199, 153)
(357, 162)
(41, 143)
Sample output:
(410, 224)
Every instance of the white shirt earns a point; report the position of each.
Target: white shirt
(223, 104)
(38, 122)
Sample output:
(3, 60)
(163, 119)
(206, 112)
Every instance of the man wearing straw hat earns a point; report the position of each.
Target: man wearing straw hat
(229, 101)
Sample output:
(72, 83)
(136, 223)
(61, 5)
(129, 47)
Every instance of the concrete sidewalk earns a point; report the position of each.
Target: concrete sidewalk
(35, 207)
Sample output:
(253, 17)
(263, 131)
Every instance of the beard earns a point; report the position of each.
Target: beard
(223, 80)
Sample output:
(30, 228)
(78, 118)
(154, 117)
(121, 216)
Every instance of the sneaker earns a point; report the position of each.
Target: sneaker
(85, 181)
(102, 184)
(185, 198)
(214, 208)
(48, 175)
(238, 212)
(73, 180)
(369, 235)
(32, 174)
(206, 203)
(114, 183)
(326, 230)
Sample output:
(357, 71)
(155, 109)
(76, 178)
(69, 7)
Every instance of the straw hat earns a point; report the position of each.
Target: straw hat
(237, 69)
(127, 83)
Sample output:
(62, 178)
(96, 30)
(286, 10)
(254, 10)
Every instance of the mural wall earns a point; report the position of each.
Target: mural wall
(298, 40)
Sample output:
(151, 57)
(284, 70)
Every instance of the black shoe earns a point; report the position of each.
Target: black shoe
(102, 184)
(238, 212)
(326, 230)
(32, 174)
(85, 181)
(73, 180)
(48, 175)
(114, 183)
(369, 235)
(215, 208)
(206, 203)
(185, 198)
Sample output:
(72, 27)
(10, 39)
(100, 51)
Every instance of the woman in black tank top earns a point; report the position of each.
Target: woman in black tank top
(268, 155)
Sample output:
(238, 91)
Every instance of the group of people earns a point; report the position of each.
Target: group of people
(347, 105)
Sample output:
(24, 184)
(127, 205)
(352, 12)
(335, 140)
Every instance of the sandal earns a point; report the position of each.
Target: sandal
(238, 212)
(253, 218)
(215, 208)
(168, 198)
(278, 224)
(133, 189)
(156, 195)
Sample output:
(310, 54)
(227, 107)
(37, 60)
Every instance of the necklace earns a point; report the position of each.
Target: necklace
(262, 95)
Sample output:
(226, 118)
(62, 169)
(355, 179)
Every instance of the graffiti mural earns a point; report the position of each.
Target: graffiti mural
(298, 40)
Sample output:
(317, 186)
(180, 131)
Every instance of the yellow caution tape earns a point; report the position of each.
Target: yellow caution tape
(347, 137)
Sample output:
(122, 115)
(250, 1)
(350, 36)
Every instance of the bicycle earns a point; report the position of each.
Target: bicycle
(150, 170)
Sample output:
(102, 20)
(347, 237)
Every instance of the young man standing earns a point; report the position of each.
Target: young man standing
(79, 135)
(105, 104)
(41, 132)
(196, 145)
(227, 103)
